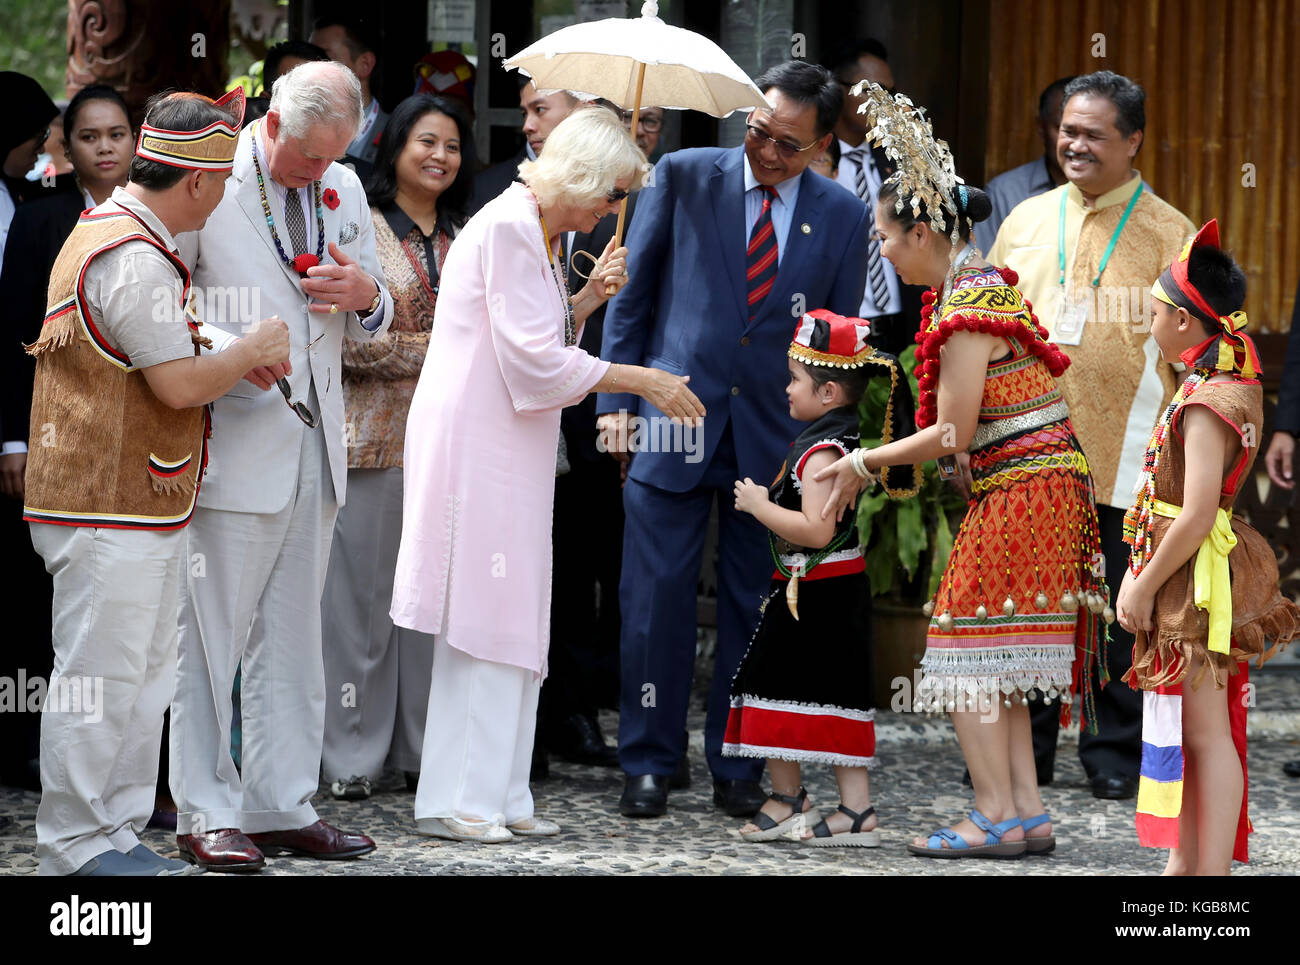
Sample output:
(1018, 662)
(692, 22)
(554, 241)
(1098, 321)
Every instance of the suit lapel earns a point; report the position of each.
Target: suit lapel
(727, 186)
(799, 246)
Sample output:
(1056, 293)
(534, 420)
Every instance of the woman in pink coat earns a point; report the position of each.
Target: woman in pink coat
(474, 566)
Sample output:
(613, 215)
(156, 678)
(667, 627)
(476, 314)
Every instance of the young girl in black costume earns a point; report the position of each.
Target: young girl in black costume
(803, 690)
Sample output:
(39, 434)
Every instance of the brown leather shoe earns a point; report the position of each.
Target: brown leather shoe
(225, 849)
(318, 840)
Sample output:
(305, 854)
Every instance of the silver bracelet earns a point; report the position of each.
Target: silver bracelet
(856, 458)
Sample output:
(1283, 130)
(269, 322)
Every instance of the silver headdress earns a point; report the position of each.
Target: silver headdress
(925, 172)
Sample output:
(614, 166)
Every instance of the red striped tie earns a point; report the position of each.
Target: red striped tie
(760, 256)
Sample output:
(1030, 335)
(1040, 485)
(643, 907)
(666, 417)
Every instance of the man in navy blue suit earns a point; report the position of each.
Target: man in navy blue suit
(729, 248)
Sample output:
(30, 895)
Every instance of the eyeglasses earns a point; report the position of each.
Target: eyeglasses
(650, 122)
(616, 195)
(785, 148)
(300, 408)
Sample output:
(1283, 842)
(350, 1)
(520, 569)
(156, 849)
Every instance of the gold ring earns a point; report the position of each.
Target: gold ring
(334, 309)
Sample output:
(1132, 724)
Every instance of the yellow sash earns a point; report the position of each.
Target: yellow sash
(1212, 589)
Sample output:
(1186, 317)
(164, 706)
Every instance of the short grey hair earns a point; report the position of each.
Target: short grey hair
(582, 159)
(316, 93)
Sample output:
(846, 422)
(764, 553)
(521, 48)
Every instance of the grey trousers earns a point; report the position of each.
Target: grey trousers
(376, 675)
(252, 594)
(116, 599)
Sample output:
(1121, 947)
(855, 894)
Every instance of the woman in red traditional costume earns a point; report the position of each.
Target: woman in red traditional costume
(1022, 590)
(1201, 593)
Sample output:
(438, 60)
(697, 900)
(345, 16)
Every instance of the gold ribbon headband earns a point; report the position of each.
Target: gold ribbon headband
(210, 149)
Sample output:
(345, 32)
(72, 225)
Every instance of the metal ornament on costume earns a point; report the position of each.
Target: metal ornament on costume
(210, 149)
(925, 171)
(823, 338)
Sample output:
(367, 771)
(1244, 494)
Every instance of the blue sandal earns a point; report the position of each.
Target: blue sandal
(1040, 845)
(957, 847)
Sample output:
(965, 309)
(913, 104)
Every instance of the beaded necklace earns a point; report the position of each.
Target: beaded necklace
(1137, 521)
(270, 222)
(561, 278)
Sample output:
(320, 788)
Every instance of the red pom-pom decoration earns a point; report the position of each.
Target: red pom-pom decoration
(927, 298)
(303, 262)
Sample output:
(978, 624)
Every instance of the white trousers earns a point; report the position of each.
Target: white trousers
(478, 740)
(116, 596)
(376, 674)
(253, 594)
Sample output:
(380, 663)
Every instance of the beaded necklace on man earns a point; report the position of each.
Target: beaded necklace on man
(270, 222)
(561, 278)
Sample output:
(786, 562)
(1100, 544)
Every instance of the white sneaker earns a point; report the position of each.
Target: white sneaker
(355, 788)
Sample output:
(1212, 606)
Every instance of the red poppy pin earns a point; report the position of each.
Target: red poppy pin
(331, 198)
(303, 262)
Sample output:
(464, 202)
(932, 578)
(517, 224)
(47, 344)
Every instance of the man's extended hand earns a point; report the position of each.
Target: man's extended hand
(343, 284)
(13, 466)
(1279, 461)
(269, 339)
(612, 438)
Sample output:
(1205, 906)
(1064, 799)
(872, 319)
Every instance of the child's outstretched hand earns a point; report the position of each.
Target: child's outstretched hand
(750, 495)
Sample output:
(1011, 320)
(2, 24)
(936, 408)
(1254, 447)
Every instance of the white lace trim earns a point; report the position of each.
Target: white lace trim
(797, 707)
(798, 756)
(969, 674)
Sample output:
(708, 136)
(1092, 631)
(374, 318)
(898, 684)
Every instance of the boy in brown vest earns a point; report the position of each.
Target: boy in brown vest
(120, 410)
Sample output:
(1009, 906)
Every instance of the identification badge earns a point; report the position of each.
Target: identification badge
(1070, 319)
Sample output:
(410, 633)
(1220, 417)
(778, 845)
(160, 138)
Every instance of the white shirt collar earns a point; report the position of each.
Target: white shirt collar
(145, 214)
(787, 190)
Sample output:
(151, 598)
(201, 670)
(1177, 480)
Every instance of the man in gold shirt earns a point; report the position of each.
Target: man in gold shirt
(1087, 253)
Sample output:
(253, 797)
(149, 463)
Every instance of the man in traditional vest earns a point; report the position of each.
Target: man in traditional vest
(294, 230)
(120, 411)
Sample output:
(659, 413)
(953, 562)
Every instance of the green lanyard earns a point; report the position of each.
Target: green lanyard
(1060, 235)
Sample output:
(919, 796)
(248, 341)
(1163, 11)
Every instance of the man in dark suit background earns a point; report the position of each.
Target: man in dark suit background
(1280, 458)
(893, 308)
(706, 299)
(539, 113)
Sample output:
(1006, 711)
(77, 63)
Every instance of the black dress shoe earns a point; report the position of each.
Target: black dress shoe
(680, 779)
(1291, 768)
(740, 799)
(412, 780)
(577, 739)
(644, 796)
(1113, 787)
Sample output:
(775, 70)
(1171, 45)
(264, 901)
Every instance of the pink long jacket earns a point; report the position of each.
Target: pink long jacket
(475, 558)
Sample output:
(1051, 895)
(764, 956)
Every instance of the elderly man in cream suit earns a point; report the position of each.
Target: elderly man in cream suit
(260, 540)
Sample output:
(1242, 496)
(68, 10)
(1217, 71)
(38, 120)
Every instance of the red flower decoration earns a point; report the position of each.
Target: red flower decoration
(331, 198)
(303, 262)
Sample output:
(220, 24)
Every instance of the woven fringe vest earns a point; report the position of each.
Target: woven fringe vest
(104, 451)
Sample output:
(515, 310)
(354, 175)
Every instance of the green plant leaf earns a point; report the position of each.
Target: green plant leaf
(869, 508)
(882, 562)
(942, 553)
(912, 537)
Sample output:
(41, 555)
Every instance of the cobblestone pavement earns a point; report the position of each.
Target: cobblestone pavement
(916, 788)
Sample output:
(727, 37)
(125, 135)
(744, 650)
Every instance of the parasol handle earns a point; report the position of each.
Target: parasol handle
(636, 117)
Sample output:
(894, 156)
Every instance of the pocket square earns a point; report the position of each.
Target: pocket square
(348, 233)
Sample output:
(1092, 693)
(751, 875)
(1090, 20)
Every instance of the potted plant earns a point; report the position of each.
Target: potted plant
(906, 544)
